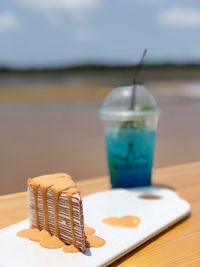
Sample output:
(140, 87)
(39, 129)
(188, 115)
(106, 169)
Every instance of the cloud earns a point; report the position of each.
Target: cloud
(74, 8)
(180, 17)
(77, 10)
(8, 21)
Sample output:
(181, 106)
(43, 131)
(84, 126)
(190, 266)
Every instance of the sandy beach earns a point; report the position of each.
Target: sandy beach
(57, 129)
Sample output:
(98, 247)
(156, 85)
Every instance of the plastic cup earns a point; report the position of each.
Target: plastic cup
(130, 135)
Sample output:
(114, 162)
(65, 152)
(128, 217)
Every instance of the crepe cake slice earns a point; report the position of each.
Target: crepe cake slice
(55, 205)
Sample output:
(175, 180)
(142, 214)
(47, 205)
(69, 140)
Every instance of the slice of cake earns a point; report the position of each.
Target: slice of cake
(55, 205)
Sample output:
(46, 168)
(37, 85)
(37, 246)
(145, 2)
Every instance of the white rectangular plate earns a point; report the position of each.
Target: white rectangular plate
(156, 216)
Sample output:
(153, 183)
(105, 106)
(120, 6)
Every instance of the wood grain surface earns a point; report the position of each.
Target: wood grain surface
(178, 246)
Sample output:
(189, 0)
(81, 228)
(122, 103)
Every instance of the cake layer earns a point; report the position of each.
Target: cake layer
(57, 211)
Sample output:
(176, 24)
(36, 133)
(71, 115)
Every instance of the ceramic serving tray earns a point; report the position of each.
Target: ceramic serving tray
(157, 207)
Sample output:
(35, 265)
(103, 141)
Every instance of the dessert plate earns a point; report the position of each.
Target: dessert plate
(157, 207)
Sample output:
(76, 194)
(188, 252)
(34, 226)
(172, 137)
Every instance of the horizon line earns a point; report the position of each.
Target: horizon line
(96, 66)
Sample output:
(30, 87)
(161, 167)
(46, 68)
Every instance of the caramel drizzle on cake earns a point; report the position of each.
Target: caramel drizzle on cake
(55, 209)
(57, 183)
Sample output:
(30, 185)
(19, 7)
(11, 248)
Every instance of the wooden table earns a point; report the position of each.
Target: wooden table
(179, 246)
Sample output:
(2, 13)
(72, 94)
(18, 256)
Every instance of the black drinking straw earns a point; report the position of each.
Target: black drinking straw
(138, 69)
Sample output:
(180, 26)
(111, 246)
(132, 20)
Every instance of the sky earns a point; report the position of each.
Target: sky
(43, 33)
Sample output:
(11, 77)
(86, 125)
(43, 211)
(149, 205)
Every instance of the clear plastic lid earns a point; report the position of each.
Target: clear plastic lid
(118, 104)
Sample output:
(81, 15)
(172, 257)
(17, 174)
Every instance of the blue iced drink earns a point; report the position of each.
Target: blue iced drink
(130, 154)
(130, 133)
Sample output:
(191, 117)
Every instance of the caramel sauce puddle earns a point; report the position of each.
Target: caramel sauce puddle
(128, 221)
(53, 242)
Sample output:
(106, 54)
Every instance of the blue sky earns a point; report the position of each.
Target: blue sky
(68, 32)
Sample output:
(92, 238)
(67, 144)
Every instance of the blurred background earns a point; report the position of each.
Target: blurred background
(58, 60)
